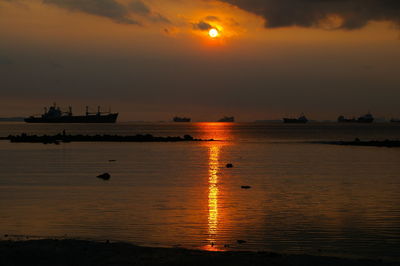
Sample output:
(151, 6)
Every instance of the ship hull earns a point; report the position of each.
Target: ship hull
(294, 121)
(356, 121)
(181, 119)
(111, 118)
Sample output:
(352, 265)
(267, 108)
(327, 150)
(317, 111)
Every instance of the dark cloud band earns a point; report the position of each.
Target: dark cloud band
(353, 14)
(105, 8)
(203, 26)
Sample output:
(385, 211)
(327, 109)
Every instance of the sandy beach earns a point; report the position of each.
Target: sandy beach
(80, 252)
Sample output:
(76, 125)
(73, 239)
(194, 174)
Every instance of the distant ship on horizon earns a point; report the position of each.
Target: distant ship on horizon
(301, 120)
(227, 119)
(367, 118)
(54, 114)
(181, 119)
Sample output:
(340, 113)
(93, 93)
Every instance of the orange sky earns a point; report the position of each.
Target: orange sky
(154, 59)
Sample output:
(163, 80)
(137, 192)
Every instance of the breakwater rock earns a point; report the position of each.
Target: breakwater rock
(357, 142)
(57, 139)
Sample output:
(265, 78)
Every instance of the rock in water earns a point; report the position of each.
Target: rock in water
(241, 241)
(246, 187)
(229, 165)
(105, 176)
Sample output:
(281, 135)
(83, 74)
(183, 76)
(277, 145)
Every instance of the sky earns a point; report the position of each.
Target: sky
(153, 59)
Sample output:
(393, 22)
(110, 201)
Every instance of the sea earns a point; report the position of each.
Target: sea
(302, 197)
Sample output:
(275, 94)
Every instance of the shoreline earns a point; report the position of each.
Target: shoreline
(85, 252)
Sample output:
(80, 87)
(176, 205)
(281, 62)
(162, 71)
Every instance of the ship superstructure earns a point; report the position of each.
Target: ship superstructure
(54, 114)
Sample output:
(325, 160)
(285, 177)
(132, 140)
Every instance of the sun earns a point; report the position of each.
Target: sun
(213, 33)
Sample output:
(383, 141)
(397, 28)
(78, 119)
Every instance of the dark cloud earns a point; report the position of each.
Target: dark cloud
(105, 8)
(212, 18)
(354, 14)
(202, 26)
(139, 7)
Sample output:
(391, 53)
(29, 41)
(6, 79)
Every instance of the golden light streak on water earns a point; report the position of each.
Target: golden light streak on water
(213, 193)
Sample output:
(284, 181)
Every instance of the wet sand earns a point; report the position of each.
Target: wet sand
(79, 252)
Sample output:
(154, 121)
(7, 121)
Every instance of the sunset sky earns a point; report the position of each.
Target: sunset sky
(154, 59)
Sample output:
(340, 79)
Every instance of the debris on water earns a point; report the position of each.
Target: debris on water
(246, 187)
(105, 176)
(229, 165)
(241, 241)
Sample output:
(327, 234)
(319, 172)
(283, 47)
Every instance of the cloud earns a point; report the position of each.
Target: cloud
(139, 7)
(334, 14)
(212, 18)
(105, 8)
(202, 26)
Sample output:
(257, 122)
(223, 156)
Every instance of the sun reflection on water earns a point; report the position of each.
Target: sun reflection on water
(213, 193)
(221, 132)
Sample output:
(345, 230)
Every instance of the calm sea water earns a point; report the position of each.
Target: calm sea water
(307, 198)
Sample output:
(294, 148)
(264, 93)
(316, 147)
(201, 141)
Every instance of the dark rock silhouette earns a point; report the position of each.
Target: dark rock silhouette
(246, 187)
(241, 241)
(229, 165)
(63, 137)
(105, 176)
(188, 137)
(357, 142)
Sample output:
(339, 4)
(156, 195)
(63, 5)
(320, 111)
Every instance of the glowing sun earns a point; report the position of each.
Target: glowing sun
(213, 33)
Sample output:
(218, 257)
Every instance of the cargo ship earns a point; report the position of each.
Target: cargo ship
(367, 118)
(227, 119)
(301, 120)
(181, 119)
(54, 114)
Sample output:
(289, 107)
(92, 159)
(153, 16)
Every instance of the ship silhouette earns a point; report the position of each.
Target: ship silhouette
(301, 120)
(367, 118)
(227, 119)
(53, 114)
(181, 119)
